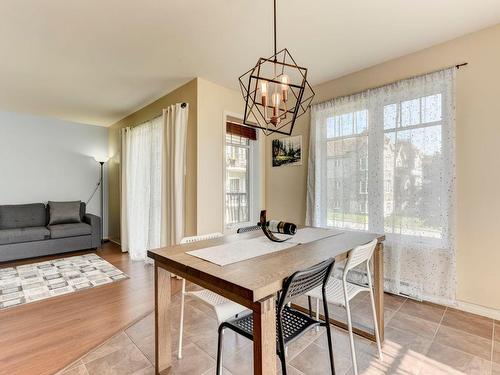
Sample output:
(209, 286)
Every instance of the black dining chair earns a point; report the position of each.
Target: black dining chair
(248, 229)
(290, 323)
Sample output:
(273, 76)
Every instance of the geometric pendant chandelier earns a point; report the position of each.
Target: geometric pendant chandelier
(276, 92)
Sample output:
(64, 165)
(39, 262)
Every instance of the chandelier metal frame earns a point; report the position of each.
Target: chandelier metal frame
(285, 108)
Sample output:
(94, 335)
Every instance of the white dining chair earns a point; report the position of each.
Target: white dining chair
(224, 308)
(340, 292)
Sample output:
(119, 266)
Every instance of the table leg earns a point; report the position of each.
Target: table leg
(378, 271)
(163, 348)
(264, 337)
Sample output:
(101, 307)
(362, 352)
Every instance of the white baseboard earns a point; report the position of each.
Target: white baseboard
(478, 309)
(472, 308)
(114, 241)
(117, 243)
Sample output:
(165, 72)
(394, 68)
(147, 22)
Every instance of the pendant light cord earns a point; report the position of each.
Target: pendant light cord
(275, 29)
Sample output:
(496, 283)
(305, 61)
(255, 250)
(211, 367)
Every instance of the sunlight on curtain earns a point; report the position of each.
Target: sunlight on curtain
(383, 161)
(143, 173)
(153, 170)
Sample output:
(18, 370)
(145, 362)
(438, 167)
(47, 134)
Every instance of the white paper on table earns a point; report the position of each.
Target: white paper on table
(305, 235)
(238, 251)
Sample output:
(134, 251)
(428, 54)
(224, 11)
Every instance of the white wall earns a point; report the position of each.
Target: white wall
(45, 159)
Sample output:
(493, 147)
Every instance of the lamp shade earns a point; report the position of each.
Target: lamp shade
(101, 159)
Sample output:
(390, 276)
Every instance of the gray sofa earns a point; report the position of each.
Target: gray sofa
(25, 232)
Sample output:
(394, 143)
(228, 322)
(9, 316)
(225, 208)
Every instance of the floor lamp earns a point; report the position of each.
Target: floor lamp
(101, 161)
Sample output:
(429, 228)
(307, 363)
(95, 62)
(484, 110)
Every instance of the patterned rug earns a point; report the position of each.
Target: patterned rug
(37, 281)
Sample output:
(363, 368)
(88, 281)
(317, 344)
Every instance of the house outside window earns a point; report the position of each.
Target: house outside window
(363, 187)
(346, 152)
(363, 164)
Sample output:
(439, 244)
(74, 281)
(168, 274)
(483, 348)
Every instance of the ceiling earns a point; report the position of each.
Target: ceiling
(95, 61)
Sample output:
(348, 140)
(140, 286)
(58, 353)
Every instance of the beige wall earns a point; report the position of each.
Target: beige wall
(209, 103)
(286, 186)
(477, 161)
(214, 103)
(186, 93)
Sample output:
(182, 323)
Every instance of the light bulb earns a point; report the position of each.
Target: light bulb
(284, 82)
(276, 99)
(263, 93)
(284, 87)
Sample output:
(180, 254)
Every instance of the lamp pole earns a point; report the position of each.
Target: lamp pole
(102, 203)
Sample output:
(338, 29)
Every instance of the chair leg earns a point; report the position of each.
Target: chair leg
(374, 314)
(219, 350)
(283, 362)
(181, 324)
(317, 313)
(328, 334)
(351, 336)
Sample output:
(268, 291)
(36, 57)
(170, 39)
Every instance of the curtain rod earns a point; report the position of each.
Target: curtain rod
(183, 105)
(456, 66)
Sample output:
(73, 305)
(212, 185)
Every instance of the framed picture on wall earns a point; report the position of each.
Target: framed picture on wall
(287, 151)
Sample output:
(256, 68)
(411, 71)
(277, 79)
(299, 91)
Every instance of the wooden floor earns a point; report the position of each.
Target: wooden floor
(44, 337)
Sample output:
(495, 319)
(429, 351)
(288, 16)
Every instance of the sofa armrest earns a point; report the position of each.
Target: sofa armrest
(95, 222)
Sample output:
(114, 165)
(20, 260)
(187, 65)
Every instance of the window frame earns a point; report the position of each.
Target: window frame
(253, 184)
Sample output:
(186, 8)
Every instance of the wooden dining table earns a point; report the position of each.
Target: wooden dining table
(254, 284)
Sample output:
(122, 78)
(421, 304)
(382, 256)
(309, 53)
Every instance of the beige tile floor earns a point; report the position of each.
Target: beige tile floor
(420, 339)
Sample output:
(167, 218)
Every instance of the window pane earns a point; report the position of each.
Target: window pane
(330, 127)
(361, 118)
(347, 183)
(431, 108)
(237, 180)
(410, 112)
(334, 149)
(412, 165)
(237, 140)
(346, 124)
(390, 116)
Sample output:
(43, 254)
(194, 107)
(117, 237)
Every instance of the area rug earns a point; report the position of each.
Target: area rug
(38, 281)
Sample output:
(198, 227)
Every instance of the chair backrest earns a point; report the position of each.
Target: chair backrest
(302, 282)
(359, 254)
(248, 229)
(202, 237)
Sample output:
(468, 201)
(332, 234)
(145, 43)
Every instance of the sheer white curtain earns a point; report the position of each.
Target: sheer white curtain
(152, 182)
(142, 182)
(383, 161)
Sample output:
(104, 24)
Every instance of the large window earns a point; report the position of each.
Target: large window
(240, 175)
(411, 150)
(383, 161)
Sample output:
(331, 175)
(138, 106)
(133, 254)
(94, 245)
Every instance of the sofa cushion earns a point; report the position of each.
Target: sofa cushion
(64, 212)
(22, 216)
(69, 230)
(83, 208)
(16, 235)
